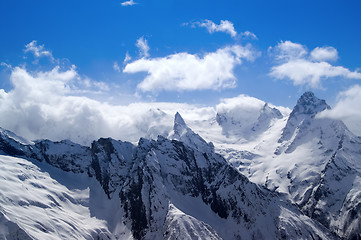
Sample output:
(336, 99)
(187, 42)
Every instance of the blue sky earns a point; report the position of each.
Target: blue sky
(94, 34)
(194, 52)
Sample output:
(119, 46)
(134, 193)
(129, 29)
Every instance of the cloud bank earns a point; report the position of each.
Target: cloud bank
(185, 71)
(47, 105)
(304, 68)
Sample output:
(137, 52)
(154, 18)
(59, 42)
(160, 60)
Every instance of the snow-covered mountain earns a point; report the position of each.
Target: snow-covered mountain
(297, 177)
(176, 188)
(316, 161)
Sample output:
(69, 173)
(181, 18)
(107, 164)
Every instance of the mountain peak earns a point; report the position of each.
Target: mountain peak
(180, 127)
(179, 120)
(309, 104)
(183, 133)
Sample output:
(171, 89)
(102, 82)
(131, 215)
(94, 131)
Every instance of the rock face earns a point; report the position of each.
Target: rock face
(178, 188)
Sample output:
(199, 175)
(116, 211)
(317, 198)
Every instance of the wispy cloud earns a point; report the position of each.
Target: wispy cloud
(303, 68)
(142, 45)
(116, 67)
(184, 71)
(38, 50)
(249, 35)
(224, 26)
(127, 58)
(128, 3)
(6, 65)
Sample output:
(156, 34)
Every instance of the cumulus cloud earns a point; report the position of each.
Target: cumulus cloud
(288, 50)
(347, 109)
(128, 3)
(305, 72)
(324, 54)
(242, 108)
(48, 105)
(61, 104)
(224, 26)
(184, 71)
(304, 68)
(142, 45)
(38, 50)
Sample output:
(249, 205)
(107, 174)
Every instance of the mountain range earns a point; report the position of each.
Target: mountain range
(256, 173)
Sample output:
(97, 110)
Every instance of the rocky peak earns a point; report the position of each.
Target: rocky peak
(303, 114)
(179, 125)
(183, 133)
(309, 104)
(178, 120)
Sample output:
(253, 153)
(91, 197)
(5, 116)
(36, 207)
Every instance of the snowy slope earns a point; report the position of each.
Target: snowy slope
(179, 186)
(35, 206)
(159, 189)
(316, 161)
(201, 184)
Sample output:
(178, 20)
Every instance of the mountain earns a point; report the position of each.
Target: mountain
(315, 161)
(246, 119)
(168, 188)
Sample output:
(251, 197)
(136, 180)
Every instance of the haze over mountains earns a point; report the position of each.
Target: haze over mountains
(249, 171)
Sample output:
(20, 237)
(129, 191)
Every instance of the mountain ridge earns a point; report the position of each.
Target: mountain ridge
(154, 184)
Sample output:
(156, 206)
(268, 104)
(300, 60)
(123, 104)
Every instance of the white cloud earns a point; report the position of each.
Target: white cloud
(127, 58)
(224, 26)
(38, 50)
(47, 105)
(6, 65)
(248, 34)
(347, 109)
(184, 71)
(243, 109)
(305, 72)
(324, 54)
(142, 45)
(288, 50)
(128, 3)
(302, 68)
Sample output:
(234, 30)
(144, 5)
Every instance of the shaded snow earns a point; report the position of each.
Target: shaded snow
(42, 207)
